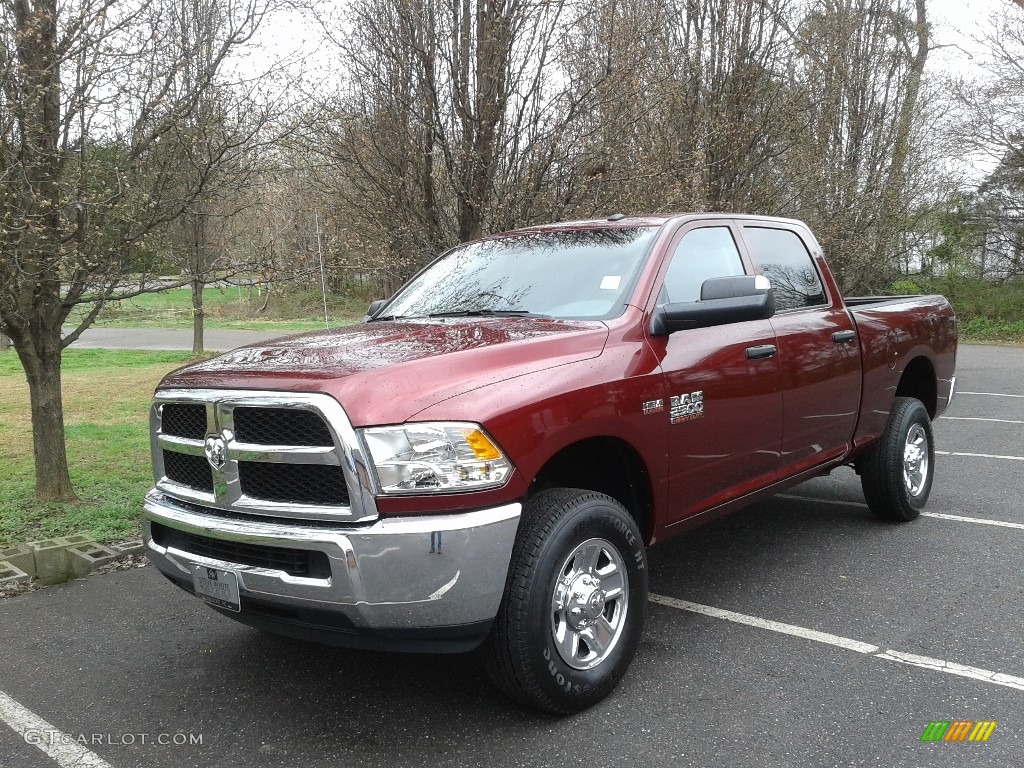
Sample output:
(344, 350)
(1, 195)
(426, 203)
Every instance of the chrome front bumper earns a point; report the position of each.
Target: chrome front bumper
(384, 583)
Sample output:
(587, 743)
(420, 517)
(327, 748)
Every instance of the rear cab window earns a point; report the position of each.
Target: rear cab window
(786, 262)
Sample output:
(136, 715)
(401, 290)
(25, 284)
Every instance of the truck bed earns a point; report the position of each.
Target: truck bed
(863, 301)
(895, 331)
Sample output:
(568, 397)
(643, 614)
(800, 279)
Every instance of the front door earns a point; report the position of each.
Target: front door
(725, 404)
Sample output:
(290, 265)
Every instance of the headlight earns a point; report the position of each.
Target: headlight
(435, 457)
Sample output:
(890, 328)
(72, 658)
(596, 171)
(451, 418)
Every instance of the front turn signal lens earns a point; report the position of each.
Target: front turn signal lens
(481, 446)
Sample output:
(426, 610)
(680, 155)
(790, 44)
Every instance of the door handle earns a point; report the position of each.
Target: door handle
(757, 353)
(841, 337)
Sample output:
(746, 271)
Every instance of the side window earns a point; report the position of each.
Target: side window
(785, 261)
(702, 253)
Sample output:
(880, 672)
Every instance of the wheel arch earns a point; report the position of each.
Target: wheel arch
(919, 381)
(604, 464)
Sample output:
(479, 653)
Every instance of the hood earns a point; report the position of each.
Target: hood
(386, 372)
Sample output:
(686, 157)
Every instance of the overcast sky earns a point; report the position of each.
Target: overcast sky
(960, 22)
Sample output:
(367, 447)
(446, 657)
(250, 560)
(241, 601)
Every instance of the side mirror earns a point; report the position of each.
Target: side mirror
(373, 309)
(722, 300)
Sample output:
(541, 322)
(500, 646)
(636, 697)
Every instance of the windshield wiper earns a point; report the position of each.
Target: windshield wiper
(486, 313)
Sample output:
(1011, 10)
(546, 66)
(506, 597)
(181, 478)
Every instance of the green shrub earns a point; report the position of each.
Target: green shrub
(906, 287)
(983, 329)
(986, 310)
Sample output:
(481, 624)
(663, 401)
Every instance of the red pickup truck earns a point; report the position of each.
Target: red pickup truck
(484, 460)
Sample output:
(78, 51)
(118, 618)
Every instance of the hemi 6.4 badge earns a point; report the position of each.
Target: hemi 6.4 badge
(653, 406)
(684, 408)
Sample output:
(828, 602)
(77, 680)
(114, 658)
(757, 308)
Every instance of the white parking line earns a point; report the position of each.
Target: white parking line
(774, 626)
(925, 662)
(977, 418)
(39, 733)
(989, 394)
(980, 455)
(949, 667)
(978, 520)
(939, 515)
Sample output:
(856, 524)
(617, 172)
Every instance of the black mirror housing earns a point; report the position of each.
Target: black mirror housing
(723, 300)
(736, 287)
(374, 307)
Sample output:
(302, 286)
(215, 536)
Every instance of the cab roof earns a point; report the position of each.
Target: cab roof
(618, 221)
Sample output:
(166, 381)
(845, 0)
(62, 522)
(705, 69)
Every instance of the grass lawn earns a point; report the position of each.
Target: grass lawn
(981, 330)
(231, 307)
(106, 398)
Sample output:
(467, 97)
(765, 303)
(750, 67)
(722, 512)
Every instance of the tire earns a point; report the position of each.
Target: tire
(574, 604)
(896, 473)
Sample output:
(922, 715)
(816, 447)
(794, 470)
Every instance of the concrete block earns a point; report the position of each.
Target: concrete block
(129, 548)
(51, 560)
(11, 574)
(78, 538)
(20, 556)
(82, 558)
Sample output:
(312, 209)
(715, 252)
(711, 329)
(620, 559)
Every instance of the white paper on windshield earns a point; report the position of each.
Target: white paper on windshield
(610, 282)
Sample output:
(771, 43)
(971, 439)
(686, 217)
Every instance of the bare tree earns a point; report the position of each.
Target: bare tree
(461, 117)
(90, 91)
(449, 121)
(990, 124)
(859, 70)
(691, 104)
(218, 149)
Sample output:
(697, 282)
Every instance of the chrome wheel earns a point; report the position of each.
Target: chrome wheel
(589, 604)
(915, 460)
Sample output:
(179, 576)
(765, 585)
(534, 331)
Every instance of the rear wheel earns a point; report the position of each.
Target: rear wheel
(574, 603)
(896, 473)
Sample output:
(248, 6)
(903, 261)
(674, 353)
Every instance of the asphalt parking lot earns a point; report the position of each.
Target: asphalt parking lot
(800, 632)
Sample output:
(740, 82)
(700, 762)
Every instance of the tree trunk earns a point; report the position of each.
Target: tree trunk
(197, 315)
(41, 358)
(5, 343)
(198, 283)
(894, 193)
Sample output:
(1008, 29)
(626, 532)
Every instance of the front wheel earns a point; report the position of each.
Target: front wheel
(574, 604)
(896, 473)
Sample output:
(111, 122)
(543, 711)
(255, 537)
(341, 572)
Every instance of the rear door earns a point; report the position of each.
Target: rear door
(818, 347)
(724, 403)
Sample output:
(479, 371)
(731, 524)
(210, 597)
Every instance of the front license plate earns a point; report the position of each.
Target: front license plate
(217, 587)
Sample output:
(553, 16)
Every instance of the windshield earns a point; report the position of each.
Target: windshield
(580, 274)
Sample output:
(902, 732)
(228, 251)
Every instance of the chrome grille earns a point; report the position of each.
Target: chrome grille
(281, 426)
(184, 420)
(301, 483)
(193, 471)
(277, 454)
(295, 562)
